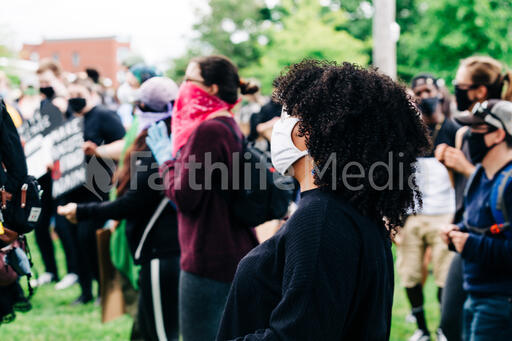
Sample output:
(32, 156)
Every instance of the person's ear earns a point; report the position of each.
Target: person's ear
(500, 135)
(481, 93)
(213, 89)
(298, 140)
(496, 137)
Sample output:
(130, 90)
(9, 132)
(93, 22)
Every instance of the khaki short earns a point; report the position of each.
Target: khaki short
(419, 232)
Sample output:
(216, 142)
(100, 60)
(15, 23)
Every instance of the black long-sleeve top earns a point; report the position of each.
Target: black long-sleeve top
(12, 158)
(137, 205)
(326, 275)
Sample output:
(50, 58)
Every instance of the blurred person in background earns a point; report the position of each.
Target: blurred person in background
(139, 73)
(261, 123)
(421, 230)
(250, 104)
(53, 105)
(127, 92)
(137, 202)
(104, 84)
(478, 78)
(114, 150)
(4, 86)
(327, 274)
(30, 100)
(212, 242)
(483, 238)
(51, 84)
(101, 126)
(6, 94)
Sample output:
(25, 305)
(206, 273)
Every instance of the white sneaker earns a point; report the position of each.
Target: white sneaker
(419, 335)
(410, 319)
(43, 279)
(440, 336)
(67, 281)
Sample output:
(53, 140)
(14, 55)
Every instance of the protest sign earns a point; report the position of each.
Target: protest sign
(33, 133)
(69, 161)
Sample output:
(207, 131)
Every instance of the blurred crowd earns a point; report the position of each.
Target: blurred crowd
(178, 250)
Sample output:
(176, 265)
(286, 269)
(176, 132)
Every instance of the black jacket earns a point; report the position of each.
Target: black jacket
(137, 205)
(12, 155)
(13, 168)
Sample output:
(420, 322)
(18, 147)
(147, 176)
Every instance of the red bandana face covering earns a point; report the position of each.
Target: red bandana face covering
(193, 106)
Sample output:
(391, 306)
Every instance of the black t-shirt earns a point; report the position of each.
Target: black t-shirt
(326, 275)
(446, 133)
(102, 126)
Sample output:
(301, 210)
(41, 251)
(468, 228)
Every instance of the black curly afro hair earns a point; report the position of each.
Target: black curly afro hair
(363, 118)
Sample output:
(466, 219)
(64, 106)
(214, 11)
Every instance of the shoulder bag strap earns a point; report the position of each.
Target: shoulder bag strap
(149, 226)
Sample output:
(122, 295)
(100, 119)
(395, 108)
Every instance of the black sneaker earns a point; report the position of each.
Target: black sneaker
(9, 317)
(82, 300)
(23, 306)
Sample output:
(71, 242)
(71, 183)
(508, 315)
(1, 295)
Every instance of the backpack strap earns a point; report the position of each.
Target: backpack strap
(471, 180)
(149, 226)
(459, 137)
(498, 205)
(469, 187)
(230, 127)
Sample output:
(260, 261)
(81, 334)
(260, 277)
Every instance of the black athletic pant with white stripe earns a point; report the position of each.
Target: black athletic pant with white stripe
(158, 299)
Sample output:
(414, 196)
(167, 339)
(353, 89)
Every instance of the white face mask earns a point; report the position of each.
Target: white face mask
(283, 151)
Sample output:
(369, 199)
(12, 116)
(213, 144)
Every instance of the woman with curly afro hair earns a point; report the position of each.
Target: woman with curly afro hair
(350, 137)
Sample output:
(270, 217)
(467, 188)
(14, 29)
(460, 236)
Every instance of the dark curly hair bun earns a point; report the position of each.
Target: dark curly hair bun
(247, 88)
(363, 132)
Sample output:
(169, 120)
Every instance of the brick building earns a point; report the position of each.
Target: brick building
(102, 53)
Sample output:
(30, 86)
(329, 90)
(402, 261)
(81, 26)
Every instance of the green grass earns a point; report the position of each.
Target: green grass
(401, 330)
(52, 318)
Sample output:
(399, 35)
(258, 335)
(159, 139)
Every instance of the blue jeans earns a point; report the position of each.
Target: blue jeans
(201, 303)
(488, 318)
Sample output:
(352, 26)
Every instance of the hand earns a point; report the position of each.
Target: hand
(439, 152)
(68, 211)
(397, 238)
(89, 148)
(454, 158)
(445, 231)
(8, 236)
(159, 141)
(262, 127)
(458, 239)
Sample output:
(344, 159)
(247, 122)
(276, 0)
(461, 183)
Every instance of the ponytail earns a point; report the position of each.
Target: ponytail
(248, 88)
(507, 78)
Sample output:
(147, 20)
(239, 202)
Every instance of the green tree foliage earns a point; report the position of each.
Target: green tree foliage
(450, 30)
(228, 27)
(435, 34)
(306, 31)
(232, 28)
(262, 40)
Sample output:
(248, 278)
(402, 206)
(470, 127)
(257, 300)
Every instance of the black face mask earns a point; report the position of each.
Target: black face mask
(477, 147)
(463, 101)
(428, 106)
(77, 104)
(47, 91)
